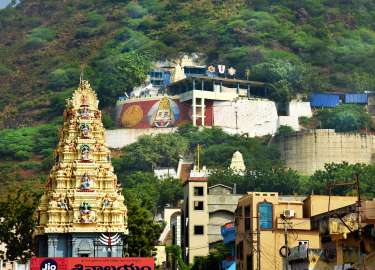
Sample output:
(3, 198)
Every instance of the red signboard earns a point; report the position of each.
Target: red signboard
(92, 263)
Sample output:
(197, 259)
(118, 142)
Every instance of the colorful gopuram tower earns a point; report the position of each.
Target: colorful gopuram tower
(82, 211)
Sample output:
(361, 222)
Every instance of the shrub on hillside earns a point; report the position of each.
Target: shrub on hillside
(345, 118)
(285, 130)
(135, 10)
(64, 77)
(38, 37)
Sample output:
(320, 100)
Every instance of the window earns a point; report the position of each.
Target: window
(247, 218)
(198, 205)
(198, 229)
(198, 191)
(265, 213)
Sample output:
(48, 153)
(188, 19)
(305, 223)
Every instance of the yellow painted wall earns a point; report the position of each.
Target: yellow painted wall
(317, 204)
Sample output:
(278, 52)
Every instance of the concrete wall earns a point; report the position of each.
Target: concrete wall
(299, 109)
(257, 117)
(221, 208)
(318, 204)
(308, 151)
(291, 121)
(118, 138)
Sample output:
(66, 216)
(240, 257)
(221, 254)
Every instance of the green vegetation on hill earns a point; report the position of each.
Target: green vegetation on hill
(296, 46)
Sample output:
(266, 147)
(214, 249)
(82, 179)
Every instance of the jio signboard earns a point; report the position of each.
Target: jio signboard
(92, 263)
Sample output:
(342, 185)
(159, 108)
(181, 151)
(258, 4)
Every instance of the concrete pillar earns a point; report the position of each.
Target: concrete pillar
(194, 105)
(202, 111)
(52, 244)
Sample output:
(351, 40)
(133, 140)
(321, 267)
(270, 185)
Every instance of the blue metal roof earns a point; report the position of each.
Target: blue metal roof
(356, 98)
(324, 100)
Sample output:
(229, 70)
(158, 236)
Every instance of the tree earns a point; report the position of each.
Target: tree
(285, 130)
(263, 178)
(150, 152)
(170, 191)
(345, 118)
(343, 172)
(119, 73)
(144, 187)
(143, 231)
(17, 224)
(213, 261)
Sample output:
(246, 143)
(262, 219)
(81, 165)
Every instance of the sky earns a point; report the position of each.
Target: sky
(4, 3)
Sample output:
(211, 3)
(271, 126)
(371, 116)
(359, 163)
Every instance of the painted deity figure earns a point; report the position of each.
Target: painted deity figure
(106, 202)
(86, 182)
(62, 203)
(85, 151)
(163, 117)
(84, 101)
(85, 129)
(85, 208)
(86, 214)
(85, 113)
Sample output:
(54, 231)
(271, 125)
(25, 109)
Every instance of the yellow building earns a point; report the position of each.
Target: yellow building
(265, 221)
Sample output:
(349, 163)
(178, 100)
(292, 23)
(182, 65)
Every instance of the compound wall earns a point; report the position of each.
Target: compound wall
(257, 117)
(119, 138)
(308, 151)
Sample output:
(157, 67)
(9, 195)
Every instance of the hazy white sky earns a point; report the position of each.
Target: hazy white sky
(4, 3)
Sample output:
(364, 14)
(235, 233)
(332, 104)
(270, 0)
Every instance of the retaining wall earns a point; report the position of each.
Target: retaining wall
(308, 151)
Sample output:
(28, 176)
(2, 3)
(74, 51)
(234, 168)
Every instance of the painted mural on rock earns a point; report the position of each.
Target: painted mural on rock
(160, 112)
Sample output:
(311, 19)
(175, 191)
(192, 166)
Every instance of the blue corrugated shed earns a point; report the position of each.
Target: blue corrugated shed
(324, 100)
(358, 98)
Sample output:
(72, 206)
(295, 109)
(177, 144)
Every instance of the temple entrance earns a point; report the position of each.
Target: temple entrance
(84, 249)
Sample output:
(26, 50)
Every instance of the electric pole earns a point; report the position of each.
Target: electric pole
(286, 244)
(258, 244)
(355, 183)
(360, 262)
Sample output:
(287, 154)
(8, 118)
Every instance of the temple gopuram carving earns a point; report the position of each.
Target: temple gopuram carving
(82, 211)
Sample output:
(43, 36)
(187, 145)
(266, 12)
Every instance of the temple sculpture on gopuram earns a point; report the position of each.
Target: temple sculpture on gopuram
(82, 211)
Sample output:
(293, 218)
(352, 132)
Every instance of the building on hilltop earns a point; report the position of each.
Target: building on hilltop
(82, 211)
(202, 98)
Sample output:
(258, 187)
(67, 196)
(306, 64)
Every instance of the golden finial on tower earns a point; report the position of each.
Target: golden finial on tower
(81, 76)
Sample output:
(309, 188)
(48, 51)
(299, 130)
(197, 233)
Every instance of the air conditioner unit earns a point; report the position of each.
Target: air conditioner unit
(287, 213)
